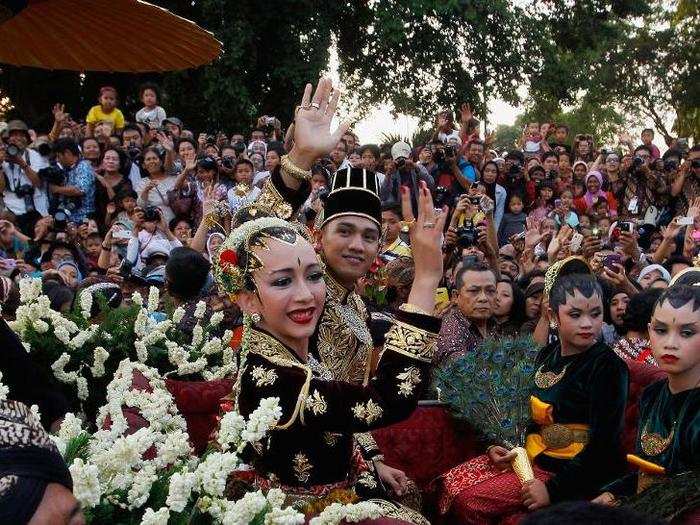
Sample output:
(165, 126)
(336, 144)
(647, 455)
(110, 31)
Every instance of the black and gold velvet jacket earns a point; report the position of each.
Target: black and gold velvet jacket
(313, 441)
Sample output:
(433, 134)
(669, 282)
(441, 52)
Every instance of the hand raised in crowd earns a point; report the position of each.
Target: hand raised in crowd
(532, 234)
(465, 112)
(426, 242)
(558, 242)
(165, 141)
(628, 243)
(591, 244)
(312, 124)
(59, 113)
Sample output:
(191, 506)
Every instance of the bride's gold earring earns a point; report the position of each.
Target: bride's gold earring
(256, 317)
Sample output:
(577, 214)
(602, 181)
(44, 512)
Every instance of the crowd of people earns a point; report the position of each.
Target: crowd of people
(428, 249)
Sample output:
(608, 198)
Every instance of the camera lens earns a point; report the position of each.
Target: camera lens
(12, 150)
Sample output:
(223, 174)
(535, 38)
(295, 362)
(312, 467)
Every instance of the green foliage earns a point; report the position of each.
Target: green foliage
(490, 387)
(506, 137)
(76, 448)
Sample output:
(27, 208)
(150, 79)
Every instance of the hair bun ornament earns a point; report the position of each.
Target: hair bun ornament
(570, 265)
(230, 275)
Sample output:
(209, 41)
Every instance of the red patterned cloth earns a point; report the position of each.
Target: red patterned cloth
(476, 492)
(198, 402)
(426, 444)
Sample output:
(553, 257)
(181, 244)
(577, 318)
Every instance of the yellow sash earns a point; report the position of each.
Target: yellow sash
(646, 466)
(572, 436)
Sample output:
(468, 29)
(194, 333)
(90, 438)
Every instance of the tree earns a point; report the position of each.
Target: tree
(422, 56)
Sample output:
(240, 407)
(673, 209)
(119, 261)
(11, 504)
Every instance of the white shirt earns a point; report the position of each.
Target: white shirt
(15, 177)
(237, 201)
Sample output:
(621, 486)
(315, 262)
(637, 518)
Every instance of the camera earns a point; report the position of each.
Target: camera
(151, 214)
(670, 165)
(401, 163)
(626, 226)
(269, 121)
(60, 220)
(474, 199)
(695, 164)
(12, 151)
(515, 170)
(133, 152)
(466, 236)
(52, 175)
(637, 162)
(228, 162)
(441, 195)
(323, 194)
(449, 152)
(239, 147)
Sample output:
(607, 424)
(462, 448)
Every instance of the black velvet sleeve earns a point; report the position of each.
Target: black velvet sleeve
(27, 383)
(294, 197)
(601, 460)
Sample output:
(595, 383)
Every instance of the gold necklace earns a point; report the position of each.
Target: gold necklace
(653, 443)
(548, 379)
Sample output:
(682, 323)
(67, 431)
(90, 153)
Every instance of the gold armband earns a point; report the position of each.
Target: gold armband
(293, 170)
(413, 309)
(411, 341)
(271, 199)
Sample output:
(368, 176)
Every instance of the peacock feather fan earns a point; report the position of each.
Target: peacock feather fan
(490, 386)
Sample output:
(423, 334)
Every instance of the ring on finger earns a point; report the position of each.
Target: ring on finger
(315, 105)
(407, 224)
(428, 225)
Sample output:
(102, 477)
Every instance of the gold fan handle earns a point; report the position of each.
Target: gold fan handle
(522, 466)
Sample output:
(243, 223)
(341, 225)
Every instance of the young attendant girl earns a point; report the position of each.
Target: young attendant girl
(513, 221)
(668, 440)
(151, 114)
(279, 283)
(577, 406)
(105, 111)
(543, 205)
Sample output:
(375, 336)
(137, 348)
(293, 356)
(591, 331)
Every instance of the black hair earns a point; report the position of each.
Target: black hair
(393, 208)
(373, 148)
(240, 162)
(526, 279)
(158, 153)
(517, 310)
(123, 194)
(151, 86)
(124, 161)
(180, 218)
(186, 139)
(642, 147)
(186, 272)
(287, 233)
(58, 294)
(560, 126)
(672, 153)
(66, 144)
(550, 154)
(680, 295)
(677, 259)
(639, 310)
(132, 127)
(94, 235)
(476, 266)
(567, 285)
(586, 513)
(319, 169)
(78, 258)
(649, 130)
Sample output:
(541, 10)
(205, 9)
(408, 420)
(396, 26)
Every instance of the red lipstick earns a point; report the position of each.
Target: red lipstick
(304, 316)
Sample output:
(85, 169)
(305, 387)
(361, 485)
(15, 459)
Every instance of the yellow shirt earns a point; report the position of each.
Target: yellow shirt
(398, 248)
(96, 115)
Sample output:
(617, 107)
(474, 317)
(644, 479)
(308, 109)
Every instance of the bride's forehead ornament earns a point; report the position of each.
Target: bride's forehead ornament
(235, 260)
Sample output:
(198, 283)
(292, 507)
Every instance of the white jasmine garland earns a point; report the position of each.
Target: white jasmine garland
(41, 326)
(212, 473)
(200, 309)
(352, 512)
(29, 289)
(59, 372)
(71, 427)
(86, 304)
(216, 319)
(179, 490)
(100, 356)
(61, 333)
(34, 410)
(82, 385)
(141, 487)
(137, 298)
(153, 299)
(262, 419)
(288, 516)
(86, 484)
(193, 367)
(230, 428)
(141, 351)
(4, 390)
(243, 511)
(197, 335)
(160, 517)
(178, 314)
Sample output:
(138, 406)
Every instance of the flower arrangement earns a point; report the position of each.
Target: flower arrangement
(490, 388)
(82, 353)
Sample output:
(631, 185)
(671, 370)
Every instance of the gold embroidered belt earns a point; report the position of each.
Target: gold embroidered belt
(556, 440)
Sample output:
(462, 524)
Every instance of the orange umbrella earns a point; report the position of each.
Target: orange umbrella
(101, 35)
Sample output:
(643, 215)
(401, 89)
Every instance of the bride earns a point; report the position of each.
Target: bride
(278, 281)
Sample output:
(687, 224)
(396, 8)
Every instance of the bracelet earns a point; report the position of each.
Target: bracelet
(413, 309)
(293, 170)
(106, 248)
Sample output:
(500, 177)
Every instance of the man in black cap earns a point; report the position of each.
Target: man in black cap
(174, 126)
(24, 193)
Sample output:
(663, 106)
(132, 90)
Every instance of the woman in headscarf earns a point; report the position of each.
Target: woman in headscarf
(594, 192)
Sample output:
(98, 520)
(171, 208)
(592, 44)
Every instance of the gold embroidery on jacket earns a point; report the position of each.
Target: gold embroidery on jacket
(316, 403)
(369, 412)
(302, 468)
(409, 378)
(263, 376)
(411, 341)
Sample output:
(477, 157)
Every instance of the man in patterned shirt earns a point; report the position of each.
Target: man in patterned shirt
(77, 193)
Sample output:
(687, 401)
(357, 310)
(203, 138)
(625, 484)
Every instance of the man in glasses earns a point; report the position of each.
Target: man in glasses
(645, 189)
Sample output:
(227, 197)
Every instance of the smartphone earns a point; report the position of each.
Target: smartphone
(576, 241)
(684, 221)
(122, 234)
(611, 260)
(626, 226)
(557, 203)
